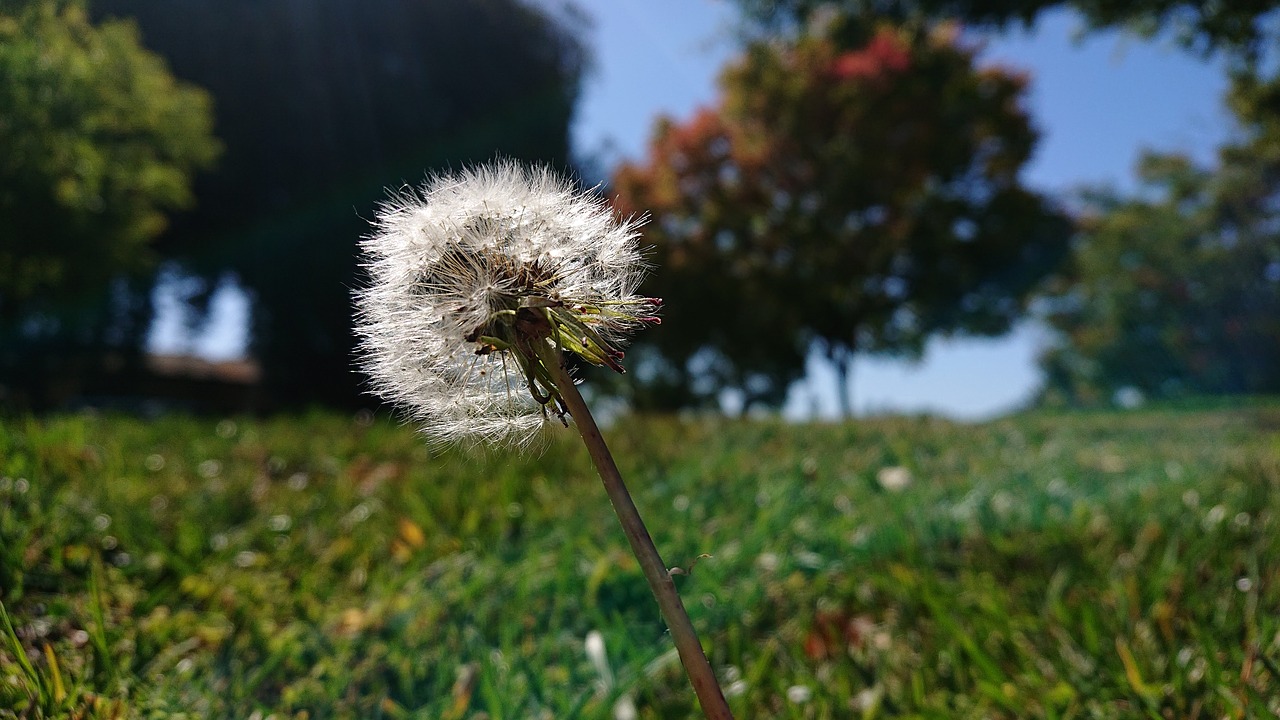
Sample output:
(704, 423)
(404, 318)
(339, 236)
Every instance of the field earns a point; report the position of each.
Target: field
(1091, 565)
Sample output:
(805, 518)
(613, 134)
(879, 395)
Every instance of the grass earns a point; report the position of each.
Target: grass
(1100, 565)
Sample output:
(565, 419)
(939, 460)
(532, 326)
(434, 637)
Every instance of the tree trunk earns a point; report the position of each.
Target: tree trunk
(843, 361)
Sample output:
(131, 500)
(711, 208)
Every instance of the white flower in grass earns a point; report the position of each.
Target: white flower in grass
(894, 479)
(476, 280)
(625, 707)
(799, 694)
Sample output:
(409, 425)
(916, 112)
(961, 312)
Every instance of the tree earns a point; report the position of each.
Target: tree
(861, 199)
(1239, 27)
(322, 106)
(1176, 291)
(100, 144)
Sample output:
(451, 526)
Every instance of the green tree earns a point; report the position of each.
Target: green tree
(1240, 27)
(861, 199)
(1176, 291)
(99, 144)
(322, 105)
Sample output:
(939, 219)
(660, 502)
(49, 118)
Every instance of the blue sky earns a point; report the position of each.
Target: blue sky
(1097, 101)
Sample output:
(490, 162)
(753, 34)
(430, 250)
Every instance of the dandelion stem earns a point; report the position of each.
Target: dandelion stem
(655, 571)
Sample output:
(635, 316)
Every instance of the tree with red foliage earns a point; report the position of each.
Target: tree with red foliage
(861, 199)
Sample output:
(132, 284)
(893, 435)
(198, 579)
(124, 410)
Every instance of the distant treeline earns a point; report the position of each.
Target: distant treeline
(323, 104)
(855, 188)
(320, 106)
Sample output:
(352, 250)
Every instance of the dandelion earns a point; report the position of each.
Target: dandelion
(480, 284)
(477, 282)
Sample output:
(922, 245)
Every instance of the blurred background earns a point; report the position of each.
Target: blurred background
(855, 207)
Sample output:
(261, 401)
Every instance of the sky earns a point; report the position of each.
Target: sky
(1098, 102)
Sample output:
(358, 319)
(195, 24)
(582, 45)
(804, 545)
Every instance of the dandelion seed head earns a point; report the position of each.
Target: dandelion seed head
(472, 277)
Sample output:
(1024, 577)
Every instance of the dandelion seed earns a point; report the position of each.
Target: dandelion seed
(809, 466)
(768, 561)
(474, 279)
(1191, 499)
(867, 699)
(1002, 503)
(1184, 656)
(882, 641)
(843, 504)
(594, 646)
(736, 685)
(799, 694)
(1216, 515)
(625, 709)
(358, 514)
(894, 479)
(809, 559)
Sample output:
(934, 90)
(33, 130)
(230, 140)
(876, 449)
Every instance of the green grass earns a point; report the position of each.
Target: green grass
(1102, 565)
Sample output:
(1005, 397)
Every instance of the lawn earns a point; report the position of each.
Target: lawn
(1075, 565)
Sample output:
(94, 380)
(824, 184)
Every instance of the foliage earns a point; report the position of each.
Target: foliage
(100, 144)
(1177, 290)
(864, 199)
(1238, 27)
(1103, 565)
(321, 106)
